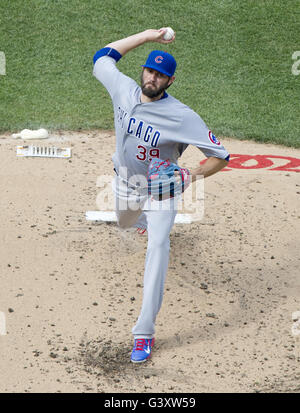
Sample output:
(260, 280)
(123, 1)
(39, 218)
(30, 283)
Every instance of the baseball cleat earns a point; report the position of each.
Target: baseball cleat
(142, 349)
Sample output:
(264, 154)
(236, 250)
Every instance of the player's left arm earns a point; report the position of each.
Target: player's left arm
(194, 131)
(210, 167)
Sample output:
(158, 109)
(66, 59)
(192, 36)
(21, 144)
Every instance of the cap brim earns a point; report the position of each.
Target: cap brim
(155, 68)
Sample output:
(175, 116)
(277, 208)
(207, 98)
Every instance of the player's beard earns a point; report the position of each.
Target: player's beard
(152, 92)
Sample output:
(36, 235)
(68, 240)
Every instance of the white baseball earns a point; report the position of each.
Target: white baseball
(168, 34)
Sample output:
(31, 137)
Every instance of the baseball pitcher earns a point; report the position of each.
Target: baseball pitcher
(153, 129)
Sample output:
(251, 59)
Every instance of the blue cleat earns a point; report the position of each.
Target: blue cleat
(142, 349)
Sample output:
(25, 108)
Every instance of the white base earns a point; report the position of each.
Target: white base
(31, 134)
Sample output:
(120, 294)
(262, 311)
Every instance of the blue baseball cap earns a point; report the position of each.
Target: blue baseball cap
(162, 62)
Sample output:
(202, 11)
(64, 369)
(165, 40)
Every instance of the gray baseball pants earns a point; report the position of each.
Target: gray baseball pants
(136, 210)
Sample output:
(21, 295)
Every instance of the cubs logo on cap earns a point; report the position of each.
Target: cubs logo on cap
(158, 59)
(161, 61)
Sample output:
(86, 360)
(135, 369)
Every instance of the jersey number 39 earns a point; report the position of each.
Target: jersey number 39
(146, 154)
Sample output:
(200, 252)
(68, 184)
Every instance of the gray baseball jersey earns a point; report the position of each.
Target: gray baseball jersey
(160, 129)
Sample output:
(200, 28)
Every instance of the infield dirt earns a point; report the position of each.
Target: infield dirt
(71, 290)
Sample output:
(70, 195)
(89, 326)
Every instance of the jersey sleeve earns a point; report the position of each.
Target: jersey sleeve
(193, 131)
(106, 71)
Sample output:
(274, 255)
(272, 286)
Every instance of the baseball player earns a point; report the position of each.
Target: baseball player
(150, 124)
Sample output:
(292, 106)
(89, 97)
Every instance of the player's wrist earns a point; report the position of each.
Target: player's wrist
(148, 35)
(196, 174)
(142, 37)
(153, 35)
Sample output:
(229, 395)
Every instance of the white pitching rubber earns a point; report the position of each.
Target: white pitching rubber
(2, 324)
(110, 216)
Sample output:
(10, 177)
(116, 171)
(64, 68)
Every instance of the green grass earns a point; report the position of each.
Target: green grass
(234, 62)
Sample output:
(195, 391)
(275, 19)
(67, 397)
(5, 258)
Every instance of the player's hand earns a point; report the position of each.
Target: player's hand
(157, 36)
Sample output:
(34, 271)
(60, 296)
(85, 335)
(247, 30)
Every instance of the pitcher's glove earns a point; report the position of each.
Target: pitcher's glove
(163, 180)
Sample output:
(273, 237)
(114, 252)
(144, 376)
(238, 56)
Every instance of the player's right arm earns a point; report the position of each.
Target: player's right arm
(123, 46)
(105, 69)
